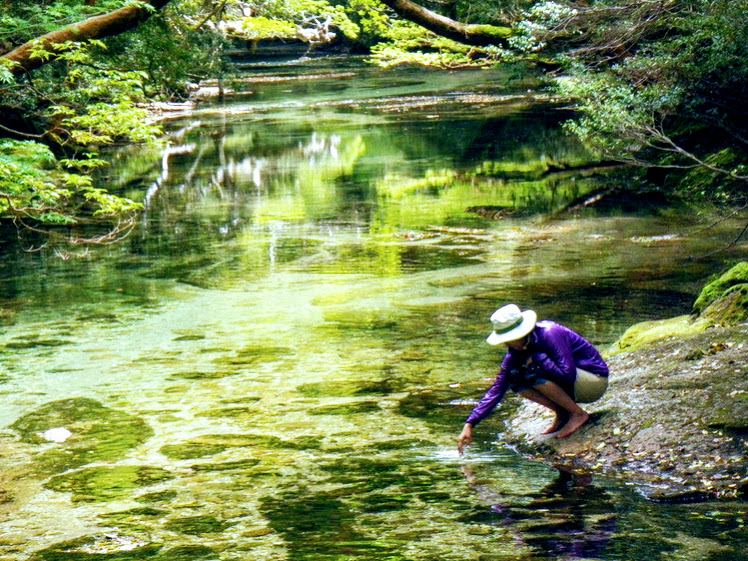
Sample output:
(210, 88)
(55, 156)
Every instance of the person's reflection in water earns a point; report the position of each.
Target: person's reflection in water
(568, 519)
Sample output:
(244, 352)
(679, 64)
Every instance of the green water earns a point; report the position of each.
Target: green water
(277, 362)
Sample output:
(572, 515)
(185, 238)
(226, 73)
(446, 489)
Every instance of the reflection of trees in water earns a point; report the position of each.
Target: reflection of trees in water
(569, 519)
(211, 188)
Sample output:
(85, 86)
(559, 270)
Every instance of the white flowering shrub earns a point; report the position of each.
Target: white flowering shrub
(539, 20)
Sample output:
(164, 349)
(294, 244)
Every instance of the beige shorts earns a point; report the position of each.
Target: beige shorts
(589, 387)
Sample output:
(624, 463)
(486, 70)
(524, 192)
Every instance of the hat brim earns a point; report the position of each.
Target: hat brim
(529, 318)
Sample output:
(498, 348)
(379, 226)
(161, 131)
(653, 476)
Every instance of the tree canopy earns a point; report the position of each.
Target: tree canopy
(658, 83)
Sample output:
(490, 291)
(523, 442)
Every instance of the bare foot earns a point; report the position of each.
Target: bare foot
(561, 419)
(574, 423)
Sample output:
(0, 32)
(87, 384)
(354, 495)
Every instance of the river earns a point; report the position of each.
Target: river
(276, 363)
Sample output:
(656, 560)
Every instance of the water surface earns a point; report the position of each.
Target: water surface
(276, 364)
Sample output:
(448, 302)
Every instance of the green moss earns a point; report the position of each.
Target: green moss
(236, 465)
(723, 301)
(721, 286)
(729, 309)
(158, 496)
(647, 332)
(493, 31)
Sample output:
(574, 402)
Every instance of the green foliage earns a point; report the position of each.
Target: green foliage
(169, 53)
(89, 106)
(265, 28)
(278, 16)
(537, 22)
(487, 11)
(35, 186)
(408, 43)
(371, 18)
(24, 20)
(662, 84)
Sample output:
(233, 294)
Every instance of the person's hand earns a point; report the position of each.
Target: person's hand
(465, 438)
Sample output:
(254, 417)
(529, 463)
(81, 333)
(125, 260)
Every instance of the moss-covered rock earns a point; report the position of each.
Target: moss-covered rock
(106, 483)
(722, 302)
(729, 309)
(721, 287)
(648, 332)
(110, 546)
(96, 433)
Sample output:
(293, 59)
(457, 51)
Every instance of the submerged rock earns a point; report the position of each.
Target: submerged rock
(106, 483)
(92, 432)
(110, 546)
(675, 417)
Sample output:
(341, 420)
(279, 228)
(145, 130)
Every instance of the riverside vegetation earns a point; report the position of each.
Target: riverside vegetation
(656, 84)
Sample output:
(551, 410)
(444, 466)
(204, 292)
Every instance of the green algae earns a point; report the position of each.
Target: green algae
(198, 525)
(304, 517)
(187, 553)
(351, 388)
(202, 375)
(346, 409)
(138, 519)
(257, 354)
(35, 343)
(188, 338)
(99, 433)
(400, 444)
(233, 465)
(244, 399)
(128, 515)
(158, 496)
(430, 405)
(106, 483)
(228, 412)
(191, 450)
(111, 547)
(226, 441)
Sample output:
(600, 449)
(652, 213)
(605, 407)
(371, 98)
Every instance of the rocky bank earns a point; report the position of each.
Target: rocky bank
(674, 420)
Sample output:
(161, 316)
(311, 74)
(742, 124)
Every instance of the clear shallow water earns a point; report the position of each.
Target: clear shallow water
(277, 363)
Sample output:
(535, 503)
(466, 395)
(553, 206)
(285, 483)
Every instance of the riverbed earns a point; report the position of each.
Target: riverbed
(277, 362)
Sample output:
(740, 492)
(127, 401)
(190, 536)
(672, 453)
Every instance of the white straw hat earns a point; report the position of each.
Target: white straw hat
(510, 324)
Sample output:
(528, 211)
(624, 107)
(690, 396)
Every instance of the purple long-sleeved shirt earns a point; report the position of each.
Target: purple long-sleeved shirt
(558, 351)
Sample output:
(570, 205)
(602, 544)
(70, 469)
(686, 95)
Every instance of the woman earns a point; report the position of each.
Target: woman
(546, 363)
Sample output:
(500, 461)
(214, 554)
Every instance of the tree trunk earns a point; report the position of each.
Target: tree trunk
(480, 35)
(97, 27)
